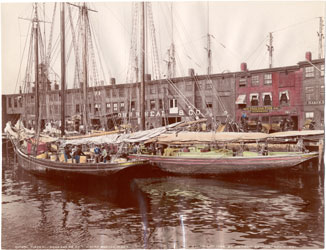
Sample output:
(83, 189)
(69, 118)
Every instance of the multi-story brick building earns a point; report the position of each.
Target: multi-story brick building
(313, 89)
(292, 92)
(167, 101)
(270, 95)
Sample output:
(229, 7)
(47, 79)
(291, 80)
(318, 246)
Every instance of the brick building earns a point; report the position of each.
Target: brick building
(313, 94)
(293, 92)
(270, 95)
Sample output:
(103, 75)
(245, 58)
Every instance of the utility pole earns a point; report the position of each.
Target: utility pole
(270, 48)
(63, 69)
(321, 36)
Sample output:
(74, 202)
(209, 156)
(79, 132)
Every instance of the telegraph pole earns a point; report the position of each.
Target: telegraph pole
(270, 48)
(321, 36)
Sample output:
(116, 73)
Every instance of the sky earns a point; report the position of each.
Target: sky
(240, 33)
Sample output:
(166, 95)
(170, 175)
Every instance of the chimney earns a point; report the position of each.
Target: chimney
(147, 77)
(56, 86)
(112, 81)
(308, 56)
(244, 67)
(191, 72)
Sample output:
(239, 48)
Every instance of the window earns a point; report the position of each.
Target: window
(173, 103)
(108, 107)
(133, 105)
(107, 92)
(56, 109)
(255, 80)
(152, 104)
(209, 105)
(115, 106)
(284, 97)
(309, 115)
(188, 86)
(152, 90)
(122, 106)
(9, 102)
(268, 79)
(114, 92)
(254, 99)
(242, 82)
(322, 70)
(208, 86)
(121, 92)
(265, 119)
(77, 108)
(310, 93)
(15, 103)
(20, 101)
(90, 107)
(309, 71)
(160, 104)
(322, 93)
(267, 99)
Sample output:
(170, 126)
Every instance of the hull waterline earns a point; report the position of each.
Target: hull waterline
(51, 168)
(224, 165)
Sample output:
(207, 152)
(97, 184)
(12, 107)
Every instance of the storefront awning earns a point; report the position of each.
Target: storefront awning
(241, 99)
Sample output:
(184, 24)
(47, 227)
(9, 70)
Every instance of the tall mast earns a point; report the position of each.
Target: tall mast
(209, 51)
(85, 80)
(63, 69)
(172, 46)
(270, 48)
(321, 36)
(37, 104)
(142, 84)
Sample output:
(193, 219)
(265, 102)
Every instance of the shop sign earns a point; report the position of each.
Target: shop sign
(160, 113)
(315, 102)
(260, 109)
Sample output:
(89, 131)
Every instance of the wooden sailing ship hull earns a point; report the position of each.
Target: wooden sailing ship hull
(224, 165)
(50, 168)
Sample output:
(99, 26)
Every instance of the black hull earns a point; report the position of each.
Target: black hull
(46, 167)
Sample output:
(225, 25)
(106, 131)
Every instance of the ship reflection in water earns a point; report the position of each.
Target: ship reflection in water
(152, 210)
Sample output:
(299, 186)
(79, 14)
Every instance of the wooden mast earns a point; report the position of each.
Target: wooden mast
(37, 104)
(142, 84)
(63, 69)
(85, 80)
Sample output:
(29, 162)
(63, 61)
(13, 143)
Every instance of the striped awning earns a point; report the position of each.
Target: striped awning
(241, 99)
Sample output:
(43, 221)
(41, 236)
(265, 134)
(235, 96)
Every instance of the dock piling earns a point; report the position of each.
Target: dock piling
(320, 156)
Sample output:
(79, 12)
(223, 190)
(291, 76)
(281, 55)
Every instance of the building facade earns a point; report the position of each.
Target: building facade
(313, 94)
(270, 95)
(292, 92)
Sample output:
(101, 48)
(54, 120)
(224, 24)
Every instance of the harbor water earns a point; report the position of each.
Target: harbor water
(149, 209)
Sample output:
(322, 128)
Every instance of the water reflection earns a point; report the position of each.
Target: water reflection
(151, 210)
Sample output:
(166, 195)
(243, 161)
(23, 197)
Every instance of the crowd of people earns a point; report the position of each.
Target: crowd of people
(97, 154)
